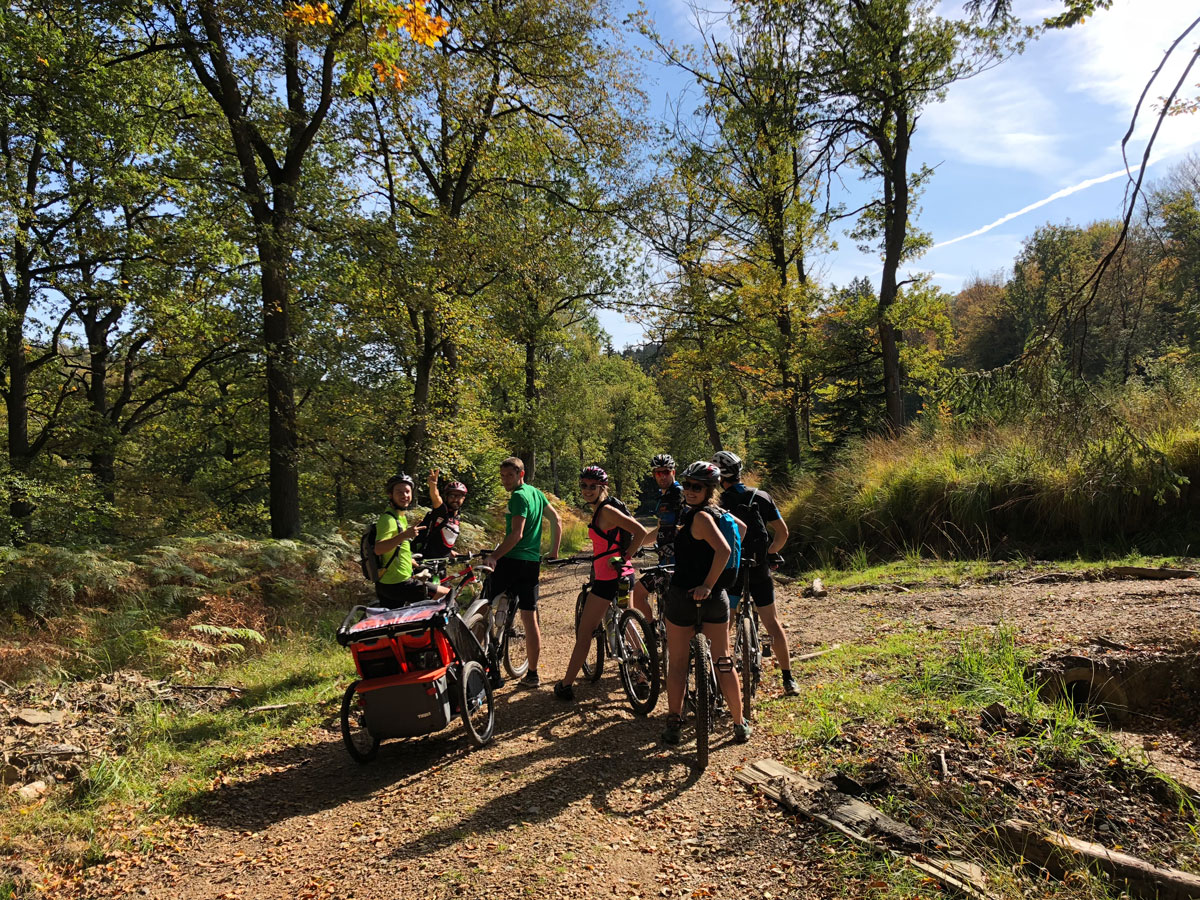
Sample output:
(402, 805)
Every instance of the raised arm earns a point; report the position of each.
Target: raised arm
(435, 496)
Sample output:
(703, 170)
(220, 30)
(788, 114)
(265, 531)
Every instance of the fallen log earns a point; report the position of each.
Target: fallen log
(205, 687)
(1159, 574)
(815, 654)
(862, 823)
(1059, 854)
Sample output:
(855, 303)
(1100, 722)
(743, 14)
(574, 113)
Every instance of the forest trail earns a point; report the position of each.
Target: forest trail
(574, 800)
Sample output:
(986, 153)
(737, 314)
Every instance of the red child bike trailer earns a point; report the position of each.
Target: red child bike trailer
(412, 680)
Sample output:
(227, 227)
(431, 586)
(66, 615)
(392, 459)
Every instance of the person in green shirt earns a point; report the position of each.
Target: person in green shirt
(396, 586)
(517, 561)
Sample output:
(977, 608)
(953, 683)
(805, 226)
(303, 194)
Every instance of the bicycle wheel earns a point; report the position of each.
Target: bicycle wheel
(700, 657)
(592, 665)
(476, 703)
(746, 651)
(515, 653)
(637, 662)
(477, 625)
(360, 743)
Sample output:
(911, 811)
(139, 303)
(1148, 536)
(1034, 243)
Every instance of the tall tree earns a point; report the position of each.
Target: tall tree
(273, 79)
(523, 96)
(879, 63)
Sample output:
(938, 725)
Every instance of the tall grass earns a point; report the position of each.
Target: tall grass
(999, 490)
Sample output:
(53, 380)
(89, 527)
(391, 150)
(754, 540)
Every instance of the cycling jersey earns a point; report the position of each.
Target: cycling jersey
(669, 509)
(441, 532)
(606, 545)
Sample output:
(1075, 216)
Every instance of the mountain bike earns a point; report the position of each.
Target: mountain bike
(494, 622)
(747, 646)
(624, 636)
(702, 689)
(658, 579)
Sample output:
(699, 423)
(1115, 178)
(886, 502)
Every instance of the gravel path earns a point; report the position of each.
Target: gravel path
(576, 800)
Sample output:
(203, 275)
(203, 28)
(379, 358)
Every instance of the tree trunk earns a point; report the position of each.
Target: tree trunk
(16, 402)
(895, 198)
(528, 452)
(418, 426)
(710, 415)
(283, 452)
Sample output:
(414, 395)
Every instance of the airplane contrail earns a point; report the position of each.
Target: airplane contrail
(1020, 212)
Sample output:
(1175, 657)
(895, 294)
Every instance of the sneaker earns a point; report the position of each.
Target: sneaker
(564, 691)
(741, 731)
(790, 688)
(673, 733)
(530, 680)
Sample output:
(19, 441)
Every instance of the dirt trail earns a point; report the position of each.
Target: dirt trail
(575, 800)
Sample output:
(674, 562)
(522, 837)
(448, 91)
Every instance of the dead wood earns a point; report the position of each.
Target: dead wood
(1108, 643)
(815, 654)
(205, 687)
(860, 822)
(1059, 854)
(1159, 574)
(271, 706)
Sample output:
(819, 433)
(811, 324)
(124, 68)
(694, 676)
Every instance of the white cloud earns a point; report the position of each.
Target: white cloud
(997, 119)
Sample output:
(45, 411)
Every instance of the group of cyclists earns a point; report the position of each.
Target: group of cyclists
(702, 591)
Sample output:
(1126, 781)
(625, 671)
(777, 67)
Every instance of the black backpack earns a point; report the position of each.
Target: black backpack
(622, 538)
(368, 560)
(757, 537)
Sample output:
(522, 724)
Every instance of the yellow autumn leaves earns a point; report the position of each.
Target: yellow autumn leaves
(386, 18)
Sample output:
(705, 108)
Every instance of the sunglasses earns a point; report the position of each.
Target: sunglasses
(694, 486)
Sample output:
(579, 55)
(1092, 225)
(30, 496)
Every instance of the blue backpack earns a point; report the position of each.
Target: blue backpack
(729, 530)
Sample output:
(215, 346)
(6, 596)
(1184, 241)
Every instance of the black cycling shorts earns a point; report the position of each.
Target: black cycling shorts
(518, 578)
(608, 589)
(761, 587)
(680, 608)
(402, 593)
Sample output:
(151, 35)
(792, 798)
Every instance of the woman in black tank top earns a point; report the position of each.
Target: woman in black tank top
(701, 552)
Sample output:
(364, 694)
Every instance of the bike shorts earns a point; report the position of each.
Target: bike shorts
(680, 608)
(402, 593)
(519, 579)
(761, 587)
(608, 589)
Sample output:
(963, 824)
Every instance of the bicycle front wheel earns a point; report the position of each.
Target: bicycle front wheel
(593, 664)
(704, 700)
(638, 662)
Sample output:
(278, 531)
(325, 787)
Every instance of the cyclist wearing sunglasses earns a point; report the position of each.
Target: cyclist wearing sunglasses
(612, 531)
(669, 508)
(701, 552)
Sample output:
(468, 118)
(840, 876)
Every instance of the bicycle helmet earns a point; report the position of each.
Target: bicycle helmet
(457, 486)
(594, 473)
(400, 479)
(702, 471)
(730, 463)
(662, 461)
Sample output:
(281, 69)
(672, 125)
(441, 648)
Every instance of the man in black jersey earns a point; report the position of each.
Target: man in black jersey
(757, 554)
(668, 510)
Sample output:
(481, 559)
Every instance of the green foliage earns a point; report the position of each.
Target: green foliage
(993, 490)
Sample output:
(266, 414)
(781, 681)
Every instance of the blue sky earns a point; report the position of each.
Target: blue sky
(1046, 123)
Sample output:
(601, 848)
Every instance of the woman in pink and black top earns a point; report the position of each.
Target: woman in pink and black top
(612, 531)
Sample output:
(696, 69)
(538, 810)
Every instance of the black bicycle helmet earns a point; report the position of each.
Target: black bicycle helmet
(730, 463)
(702, 471)
(662, 461)
(594, 473)
(400, 479)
